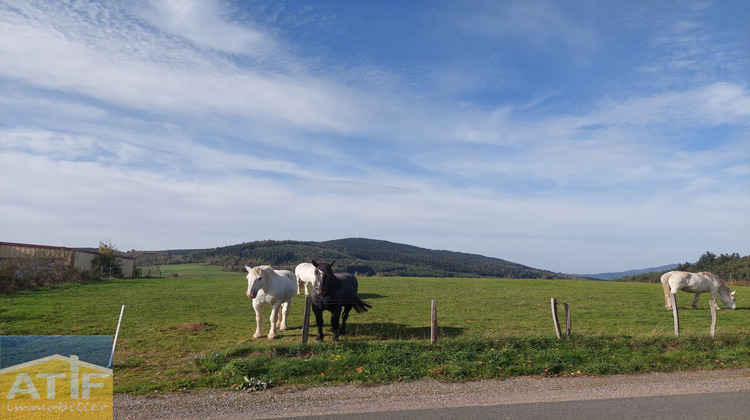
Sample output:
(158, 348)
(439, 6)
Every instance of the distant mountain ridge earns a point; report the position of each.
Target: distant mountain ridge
(367, 257)
(371, 257)
(613, 276)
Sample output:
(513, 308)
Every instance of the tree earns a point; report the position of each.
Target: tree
(706, 261)
(106, 262)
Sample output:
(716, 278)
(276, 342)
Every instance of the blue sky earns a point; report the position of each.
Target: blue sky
(574, 136)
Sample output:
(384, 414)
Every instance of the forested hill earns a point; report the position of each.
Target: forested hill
(730, 267)
(366, 257)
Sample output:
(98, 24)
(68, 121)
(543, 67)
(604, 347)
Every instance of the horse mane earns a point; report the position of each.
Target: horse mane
(328, 271)
(722, 284)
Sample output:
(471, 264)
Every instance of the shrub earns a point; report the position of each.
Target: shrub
(33, 273)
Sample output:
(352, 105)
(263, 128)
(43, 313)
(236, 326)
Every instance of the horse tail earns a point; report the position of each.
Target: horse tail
(667, 289)
(359, 305)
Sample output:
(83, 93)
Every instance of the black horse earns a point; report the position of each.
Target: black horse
(332, 292)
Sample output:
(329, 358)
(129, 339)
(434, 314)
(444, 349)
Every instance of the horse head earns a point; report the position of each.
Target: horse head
(255, 280)
(726, 294)
(728, 299)
(323, 277)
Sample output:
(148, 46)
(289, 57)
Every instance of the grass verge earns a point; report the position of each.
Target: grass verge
(461, 359)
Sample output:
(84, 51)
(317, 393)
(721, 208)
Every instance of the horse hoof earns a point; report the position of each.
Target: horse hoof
(272, 337)
(319, 339)
(256, 335)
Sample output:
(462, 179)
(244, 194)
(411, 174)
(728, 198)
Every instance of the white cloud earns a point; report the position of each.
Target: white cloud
(713, 104)
(145, 210)
(625, 142)
(207, 24)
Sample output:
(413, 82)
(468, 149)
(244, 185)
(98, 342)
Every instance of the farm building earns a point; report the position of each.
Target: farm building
(78, 258)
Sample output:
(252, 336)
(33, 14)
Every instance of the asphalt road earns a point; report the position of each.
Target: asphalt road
(713, 394)
(724, 405)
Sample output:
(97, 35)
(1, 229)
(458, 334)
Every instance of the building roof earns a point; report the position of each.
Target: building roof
(72, 359)
(60, 248)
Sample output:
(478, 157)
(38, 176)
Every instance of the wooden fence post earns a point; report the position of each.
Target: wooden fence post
(568, 322)
(306, 319)
(433, 322)
(676, 316)
(554, 318)
(713, 320)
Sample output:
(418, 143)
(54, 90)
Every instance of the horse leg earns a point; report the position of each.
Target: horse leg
(281, 323)
(344, 317)
(713, 301)
(300, 285)
(318, 321)
(258, 320)
(695, 301)
(335, 315)
(274, 318)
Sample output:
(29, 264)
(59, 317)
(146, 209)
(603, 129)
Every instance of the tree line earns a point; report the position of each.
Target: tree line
(730, 267)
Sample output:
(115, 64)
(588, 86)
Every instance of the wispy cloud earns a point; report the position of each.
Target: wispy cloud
(143, 70)
(539, 24)
(207, 24)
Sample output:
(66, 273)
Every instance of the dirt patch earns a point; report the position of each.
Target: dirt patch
(193, 326)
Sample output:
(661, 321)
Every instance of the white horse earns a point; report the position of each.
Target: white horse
(305, 274)
(266, 286)
(697, 283)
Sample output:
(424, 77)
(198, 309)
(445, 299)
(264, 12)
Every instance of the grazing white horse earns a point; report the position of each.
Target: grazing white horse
(305, 274)
(697, 283)
(266, 286)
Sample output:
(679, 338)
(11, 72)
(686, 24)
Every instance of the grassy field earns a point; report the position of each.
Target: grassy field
(196, 330)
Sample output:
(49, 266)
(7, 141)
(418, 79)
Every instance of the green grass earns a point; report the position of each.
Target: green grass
(460, 359)
(196, 329)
